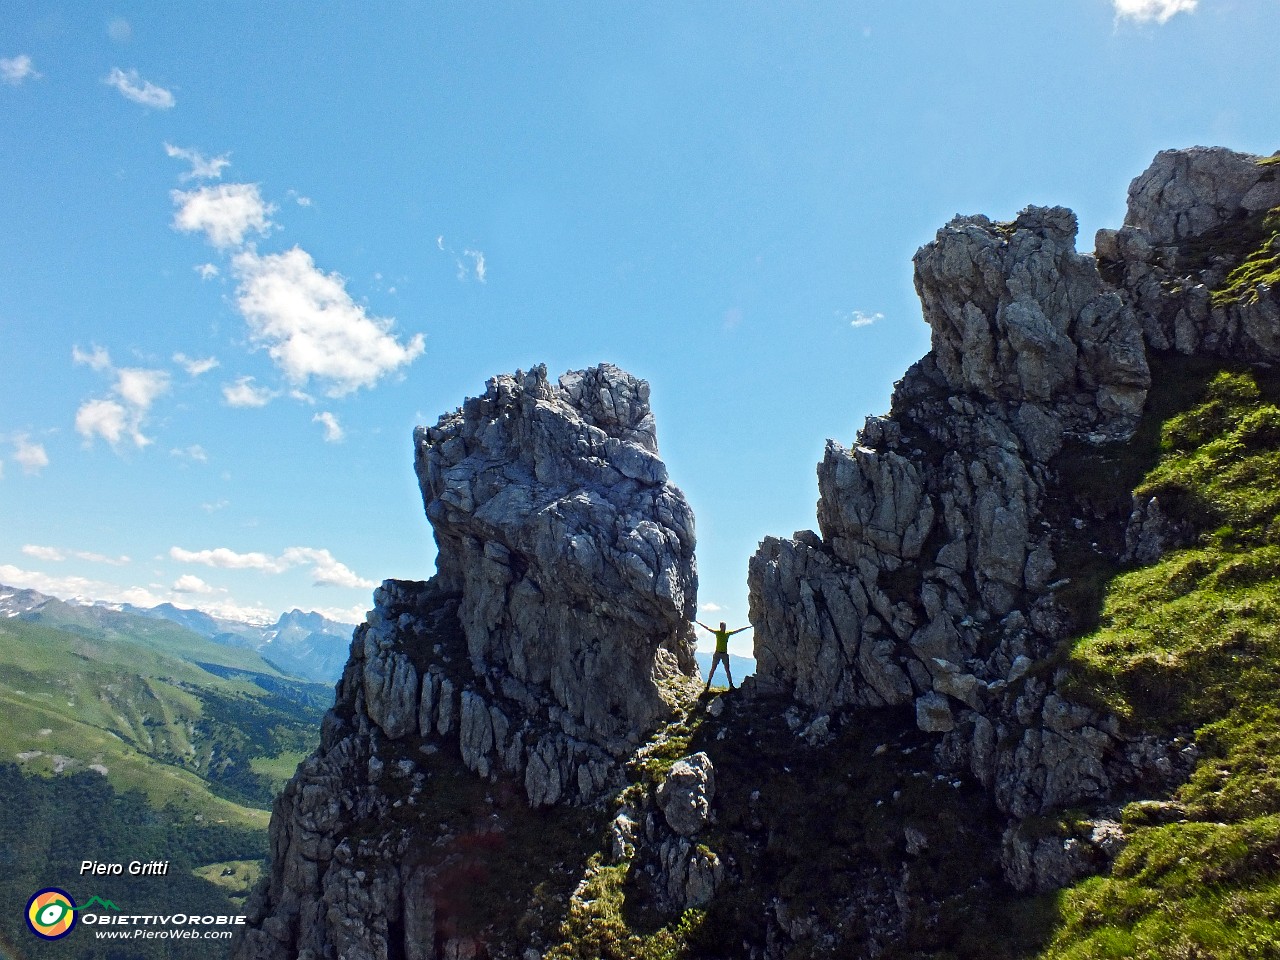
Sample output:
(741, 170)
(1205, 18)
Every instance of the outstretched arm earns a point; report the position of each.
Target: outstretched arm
(739, 630)
(703, 625)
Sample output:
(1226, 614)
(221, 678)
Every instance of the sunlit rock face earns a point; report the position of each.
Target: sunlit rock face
(554, 637)
(572, 553)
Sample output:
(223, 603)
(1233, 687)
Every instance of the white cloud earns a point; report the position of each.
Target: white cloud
(96, 359)
(54, 555)
(136, 389)
(326, 571)
(119, 561)
(226, 559)
(74, 586)
(1161, 11)
(194, 452)
(333, 432)
(15, 70)
(31, 456)
(348, 615)
(225, 212)
(243, 393)
(207, 271)
(190, 583)
(134, 88)
(48, 554)
(139, 388)
(860, 319)
(476, 268)
(103, 418)
(440, 242)
(195, 367)
(202, 167)
(310, 325)
(215, 506)
(120, 30)
(299, 199)
(712, 607)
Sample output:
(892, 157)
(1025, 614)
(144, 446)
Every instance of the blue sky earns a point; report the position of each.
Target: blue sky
(249, 246)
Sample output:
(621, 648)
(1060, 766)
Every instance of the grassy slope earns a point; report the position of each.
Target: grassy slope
(132, 696)
(1192, 642)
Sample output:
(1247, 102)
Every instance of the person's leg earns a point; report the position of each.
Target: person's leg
(727, 672)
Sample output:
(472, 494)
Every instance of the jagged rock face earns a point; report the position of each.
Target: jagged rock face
(933, 561)
(553, 638)
(573, 555)
(936, 581)
(933, 582)
(1018, 315)
(1186, 193)
(1192, 216)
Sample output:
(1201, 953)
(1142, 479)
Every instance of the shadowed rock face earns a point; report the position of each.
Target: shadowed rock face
(572, 553)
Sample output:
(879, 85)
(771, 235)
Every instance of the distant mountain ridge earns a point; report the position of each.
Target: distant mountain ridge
(307, 645)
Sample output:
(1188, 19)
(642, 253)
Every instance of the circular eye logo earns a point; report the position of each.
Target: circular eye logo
(51, 913)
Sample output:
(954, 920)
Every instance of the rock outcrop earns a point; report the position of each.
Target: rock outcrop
(571, 553)
(952, 531)
(1193, 217)
(932, 571)
(553, 638)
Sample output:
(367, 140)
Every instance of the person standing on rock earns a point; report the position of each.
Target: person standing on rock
(722, 650)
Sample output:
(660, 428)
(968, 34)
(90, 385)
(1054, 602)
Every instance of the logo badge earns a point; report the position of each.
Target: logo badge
(51, 913)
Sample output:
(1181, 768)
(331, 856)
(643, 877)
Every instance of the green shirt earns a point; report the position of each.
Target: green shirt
(722, 640)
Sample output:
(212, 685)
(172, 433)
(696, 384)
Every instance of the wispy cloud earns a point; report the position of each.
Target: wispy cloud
(207, 271)
(326, 570)
(95, 359)
(195, 453)
(712, 608)
(243, 393)
(120, 30)
(310, 325)
(133, 87)
(17, 70)
(54, 555)
(195, 367)
(48, 554)
(31, 456)
(299, 199)
(123, 412)
(477, 262)
(225, 213)
(1160, 11)
(333, 432)
(202, 167)
(860, 319)
(215, 506)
